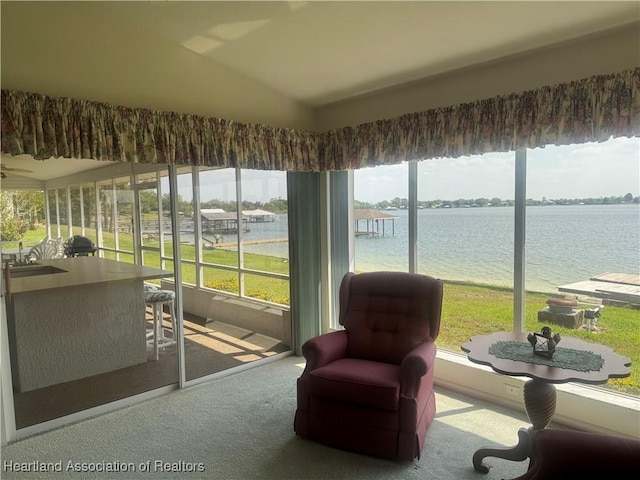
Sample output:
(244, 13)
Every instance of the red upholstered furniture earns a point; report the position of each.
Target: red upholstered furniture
(562, 454)
(369, 388)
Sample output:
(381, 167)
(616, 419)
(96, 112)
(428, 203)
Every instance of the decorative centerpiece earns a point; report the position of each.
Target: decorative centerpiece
(544, 343)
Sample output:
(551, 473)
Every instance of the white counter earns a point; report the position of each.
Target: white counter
(83, 271)
(83, 322)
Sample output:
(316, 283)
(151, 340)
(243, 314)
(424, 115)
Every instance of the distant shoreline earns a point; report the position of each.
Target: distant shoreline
(464, 203)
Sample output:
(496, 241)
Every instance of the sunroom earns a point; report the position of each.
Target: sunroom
(145, 178)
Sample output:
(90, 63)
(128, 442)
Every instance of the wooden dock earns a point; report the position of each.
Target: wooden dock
(618, 287)
(251, 242)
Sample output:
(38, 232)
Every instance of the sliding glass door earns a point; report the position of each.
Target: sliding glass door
(107, 319)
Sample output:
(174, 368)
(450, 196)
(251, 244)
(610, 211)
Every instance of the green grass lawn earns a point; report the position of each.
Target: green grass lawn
(474, 310)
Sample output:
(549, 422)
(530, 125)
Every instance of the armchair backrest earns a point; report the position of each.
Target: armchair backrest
(387, 314)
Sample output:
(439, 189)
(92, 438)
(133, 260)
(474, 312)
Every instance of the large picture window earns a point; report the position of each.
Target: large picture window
(582, 220)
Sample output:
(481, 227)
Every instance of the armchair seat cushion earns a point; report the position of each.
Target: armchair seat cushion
(358, 382)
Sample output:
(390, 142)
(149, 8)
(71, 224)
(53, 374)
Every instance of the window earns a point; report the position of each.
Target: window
(89, 212)
(219, 226)
(465, 219)
(265, 240)
(186, 225)
(107, 199)
(244, 233)
(52, 210)
(380, 218)
(582, 219)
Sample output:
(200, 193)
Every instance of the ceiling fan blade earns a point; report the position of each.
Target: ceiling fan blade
(15, 169)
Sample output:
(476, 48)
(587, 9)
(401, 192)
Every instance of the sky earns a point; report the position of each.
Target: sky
(590, 170)
(257, 185)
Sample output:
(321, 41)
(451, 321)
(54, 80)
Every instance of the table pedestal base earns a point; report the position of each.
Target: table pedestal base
(517, 453)
(540, 405)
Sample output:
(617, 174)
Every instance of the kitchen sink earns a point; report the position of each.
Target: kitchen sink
(33, 270)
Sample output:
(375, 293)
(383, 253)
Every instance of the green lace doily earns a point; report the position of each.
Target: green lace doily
(580, 360)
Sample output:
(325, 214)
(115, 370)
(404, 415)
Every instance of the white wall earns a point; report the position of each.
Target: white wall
(603, 54)
(57, 49)
(243, 313)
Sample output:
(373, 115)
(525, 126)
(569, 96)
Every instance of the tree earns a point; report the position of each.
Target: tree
(277, 205)
(28, 205)
(628, 198)
(12, 227)
(148, 201)
(184, 206)
(359, 204)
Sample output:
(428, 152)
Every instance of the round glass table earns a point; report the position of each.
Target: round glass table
(574, 360)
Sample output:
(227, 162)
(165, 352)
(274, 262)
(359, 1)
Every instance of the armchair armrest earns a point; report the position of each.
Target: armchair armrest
(559, 454)
(324, 349)
(414, 366)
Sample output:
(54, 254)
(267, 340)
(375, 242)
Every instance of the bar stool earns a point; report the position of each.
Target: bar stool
(157, 299)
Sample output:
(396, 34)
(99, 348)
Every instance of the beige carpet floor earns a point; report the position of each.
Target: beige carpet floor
(241, 427)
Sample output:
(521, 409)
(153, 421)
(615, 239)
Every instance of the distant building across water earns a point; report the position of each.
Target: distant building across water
(217, 221)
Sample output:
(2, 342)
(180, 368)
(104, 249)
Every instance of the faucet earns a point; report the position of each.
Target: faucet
(20, 252)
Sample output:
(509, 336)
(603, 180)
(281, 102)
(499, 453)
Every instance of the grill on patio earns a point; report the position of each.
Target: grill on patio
(79, 246)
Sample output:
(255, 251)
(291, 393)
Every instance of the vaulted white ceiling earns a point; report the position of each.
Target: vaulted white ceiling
(320, 52)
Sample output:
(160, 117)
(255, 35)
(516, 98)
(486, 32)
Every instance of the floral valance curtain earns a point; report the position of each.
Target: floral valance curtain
(46, 127)
(593, 109)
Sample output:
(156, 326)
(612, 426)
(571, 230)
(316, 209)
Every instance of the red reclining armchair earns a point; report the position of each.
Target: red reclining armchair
(369, 388)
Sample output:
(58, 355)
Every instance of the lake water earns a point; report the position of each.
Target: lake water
(564, 244)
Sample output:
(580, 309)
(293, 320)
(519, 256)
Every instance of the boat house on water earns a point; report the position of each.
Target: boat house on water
(372, 220)
(259, 216)
(216, 220)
